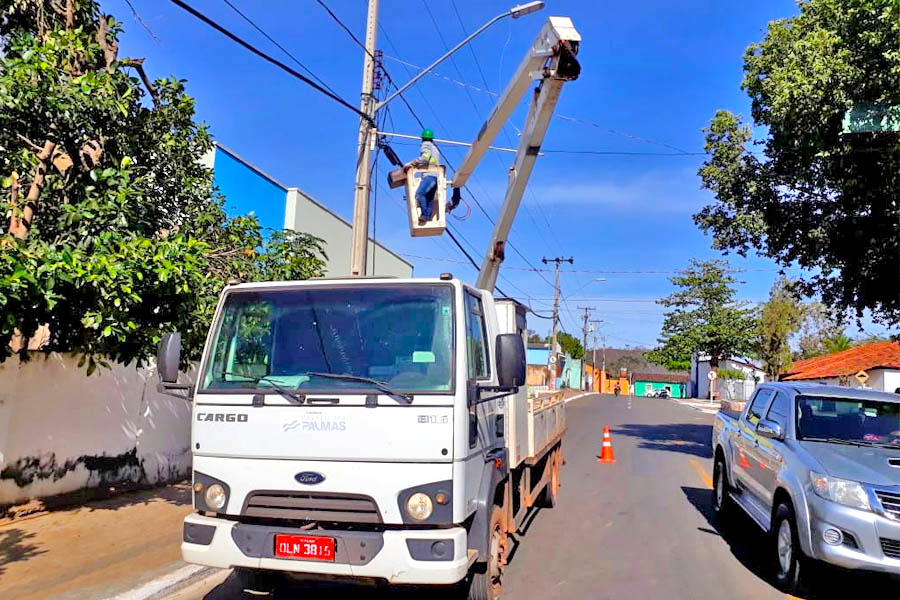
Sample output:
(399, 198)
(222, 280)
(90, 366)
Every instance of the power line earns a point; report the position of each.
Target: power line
(279, 46)
(270, 59)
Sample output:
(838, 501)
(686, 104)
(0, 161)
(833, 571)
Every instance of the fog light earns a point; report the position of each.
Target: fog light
(441, 498)
(215, 497)
(419, 506)
(439, 549)
(198, 487)
(832, 537)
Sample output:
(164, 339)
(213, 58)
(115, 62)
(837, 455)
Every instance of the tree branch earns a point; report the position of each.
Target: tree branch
(138, 65)
(29, 143)
(34, 190)
(110, 49)
(15, 225)
(70, 15)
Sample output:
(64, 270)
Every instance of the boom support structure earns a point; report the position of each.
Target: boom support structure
(550, 62)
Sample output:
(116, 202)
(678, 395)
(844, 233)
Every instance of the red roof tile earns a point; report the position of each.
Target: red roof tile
(847, 362)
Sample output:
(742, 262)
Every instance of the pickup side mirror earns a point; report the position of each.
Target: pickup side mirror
(510, 360)
(770, 429)
(168, 359)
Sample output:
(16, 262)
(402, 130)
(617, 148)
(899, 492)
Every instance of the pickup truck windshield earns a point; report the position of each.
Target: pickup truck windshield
(849, 420)
(401, 335)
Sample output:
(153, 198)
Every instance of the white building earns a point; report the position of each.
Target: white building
(872, 366)
(727, 389)
(247, 188)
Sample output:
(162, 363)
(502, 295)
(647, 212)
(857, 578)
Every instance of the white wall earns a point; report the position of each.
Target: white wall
(729, 390)
(304, 214)
(61, 430)
(882, 380)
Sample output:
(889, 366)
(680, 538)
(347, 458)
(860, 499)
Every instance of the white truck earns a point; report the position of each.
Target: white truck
(376, 428)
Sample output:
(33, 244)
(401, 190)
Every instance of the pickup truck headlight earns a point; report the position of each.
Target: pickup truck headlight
(848, 493)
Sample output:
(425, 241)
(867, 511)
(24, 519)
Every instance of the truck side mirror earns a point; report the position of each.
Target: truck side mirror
(770, 429)
(168, 357)
(510, 360)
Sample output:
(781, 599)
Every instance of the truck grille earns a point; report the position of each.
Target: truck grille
(312, 506)
(890, 502)
(891, 548)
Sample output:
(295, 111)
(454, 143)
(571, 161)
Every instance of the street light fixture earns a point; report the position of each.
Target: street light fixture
(520, 10)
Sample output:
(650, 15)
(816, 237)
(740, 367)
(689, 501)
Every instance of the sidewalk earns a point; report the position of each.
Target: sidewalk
(94, 551)
(709, 407)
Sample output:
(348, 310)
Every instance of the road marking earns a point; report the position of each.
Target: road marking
(152, 588)
(702, 472)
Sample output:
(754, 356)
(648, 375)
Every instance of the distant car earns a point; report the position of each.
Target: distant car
(660, 393)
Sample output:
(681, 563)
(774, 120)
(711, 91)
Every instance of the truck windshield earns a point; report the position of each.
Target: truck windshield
(848, 420)
(401, 335)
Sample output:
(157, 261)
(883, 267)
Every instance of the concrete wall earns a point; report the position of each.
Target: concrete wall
(734, 390)
(61, 430)
(882, 380)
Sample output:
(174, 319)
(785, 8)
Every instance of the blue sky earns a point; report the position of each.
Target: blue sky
(653, 73)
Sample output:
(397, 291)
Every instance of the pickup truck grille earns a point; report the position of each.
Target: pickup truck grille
(891, 548)
(890, 502)
(312, 506)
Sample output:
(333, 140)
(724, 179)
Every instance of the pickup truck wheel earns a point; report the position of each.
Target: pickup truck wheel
(486, 580)
(789, 558)
(720, 488)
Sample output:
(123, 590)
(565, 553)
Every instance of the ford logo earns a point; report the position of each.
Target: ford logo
(309, 478)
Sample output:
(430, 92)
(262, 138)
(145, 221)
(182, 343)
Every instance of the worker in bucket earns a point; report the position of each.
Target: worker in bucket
(428, 156)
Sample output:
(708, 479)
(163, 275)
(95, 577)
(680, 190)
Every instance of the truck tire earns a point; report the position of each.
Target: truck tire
(789, 560)
(486, 579)
(551, 490)
(721, 501)
(255, 582)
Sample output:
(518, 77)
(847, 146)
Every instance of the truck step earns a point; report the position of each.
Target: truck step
(754, 508)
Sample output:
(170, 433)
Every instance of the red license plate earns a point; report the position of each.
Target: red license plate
(304, 546)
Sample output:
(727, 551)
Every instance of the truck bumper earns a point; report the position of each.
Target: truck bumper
(401, 557)
(869, 541)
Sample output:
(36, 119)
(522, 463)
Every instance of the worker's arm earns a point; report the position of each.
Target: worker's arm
(423, 160)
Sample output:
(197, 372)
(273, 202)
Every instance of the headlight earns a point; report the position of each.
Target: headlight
(215, 497)
(419, 506)
(848, 493)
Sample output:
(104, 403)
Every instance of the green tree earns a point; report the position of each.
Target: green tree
(570, 345)
(705, 318)
(805, 194)
(112, 232)
(779, 319)
(819, 325)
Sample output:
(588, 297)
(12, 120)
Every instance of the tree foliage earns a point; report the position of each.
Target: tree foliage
(570, 345)
(705, 318)
(779, 319)
(820, 331)
(112, 233)
(805, 193)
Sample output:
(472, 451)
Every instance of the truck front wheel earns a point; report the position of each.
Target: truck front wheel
(789, 559)
(486, 579)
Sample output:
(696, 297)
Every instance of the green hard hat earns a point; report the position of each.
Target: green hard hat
(427, 134)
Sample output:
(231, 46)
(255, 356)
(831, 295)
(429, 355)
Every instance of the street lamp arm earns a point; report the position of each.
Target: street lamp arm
(515, 13)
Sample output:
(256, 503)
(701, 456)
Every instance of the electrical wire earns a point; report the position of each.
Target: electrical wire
(279, 46)
(266, 57)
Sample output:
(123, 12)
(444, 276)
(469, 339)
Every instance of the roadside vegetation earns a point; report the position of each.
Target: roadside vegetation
(112, 231)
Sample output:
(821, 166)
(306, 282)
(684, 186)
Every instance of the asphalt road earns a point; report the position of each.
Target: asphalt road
(639, 528)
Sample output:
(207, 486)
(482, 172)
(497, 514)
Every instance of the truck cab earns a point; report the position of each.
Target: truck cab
(363, 428)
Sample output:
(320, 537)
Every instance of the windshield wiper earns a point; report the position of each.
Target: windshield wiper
(288, 394)
(380, 385)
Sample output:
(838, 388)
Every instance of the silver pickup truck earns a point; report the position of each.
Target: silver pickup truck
(818, 467)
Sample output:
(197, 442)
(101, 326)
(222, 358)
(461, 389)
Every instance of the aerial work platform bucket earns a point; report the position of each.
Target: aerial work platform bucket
(438, 223)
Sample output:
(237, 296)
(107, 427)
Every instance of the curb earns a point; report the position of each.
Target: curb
(167, 584)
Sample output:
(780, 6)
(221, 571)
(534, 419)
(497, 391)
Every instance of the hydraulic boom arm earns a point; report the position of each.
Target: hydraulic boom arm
(551, 62)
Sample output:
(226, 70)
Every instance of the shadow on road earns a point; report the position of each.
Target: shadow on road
(753, 548)
(686, 438)
(14, 547)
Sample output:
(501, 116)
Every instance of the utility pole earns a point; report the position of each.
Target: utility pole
(360, 245)
(558, 260)
(584, 331)
(603, 368)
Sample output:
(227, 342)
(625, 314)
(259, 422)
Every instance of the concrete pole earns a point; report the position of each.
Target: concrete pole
(360, 244)
(584, 331)
(557, 260)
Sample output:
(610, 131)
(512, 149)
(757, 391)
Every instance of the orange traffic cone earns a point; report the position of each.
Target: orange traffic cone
(606, 455)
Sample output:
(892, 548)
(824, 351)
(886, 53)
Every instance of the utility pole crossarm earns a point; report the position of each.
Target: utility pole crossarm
(550, 61)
